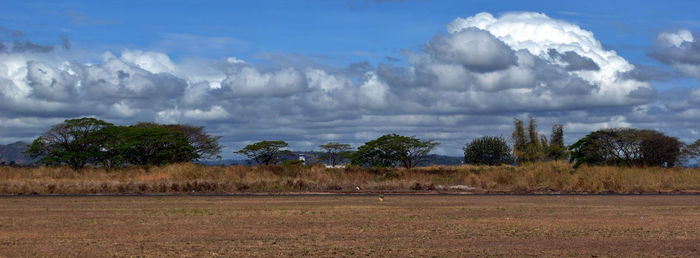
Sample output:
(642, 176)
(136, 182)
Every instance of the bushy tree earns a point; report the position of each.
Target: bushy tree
(626, 147)
(335, 152)
(488, 150)
(75, 142)
(113, 153)
(79, 142)
(392, 150)
(264, 152)
(206, 146)
(149, 144)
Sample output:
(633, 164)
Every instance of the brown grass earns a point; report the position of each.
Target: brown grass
(547, 177)
(340, 226)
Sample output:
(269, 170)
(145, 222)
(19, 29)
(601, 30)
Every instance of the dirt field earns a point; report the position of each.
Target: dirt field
(350, 226)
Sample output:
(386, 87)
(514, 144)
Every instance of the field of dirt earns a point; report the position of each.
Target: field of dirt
(655, 225)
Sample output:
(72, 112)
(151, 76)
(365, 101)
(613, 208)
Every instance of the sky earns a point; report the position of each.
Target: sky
(309, 72)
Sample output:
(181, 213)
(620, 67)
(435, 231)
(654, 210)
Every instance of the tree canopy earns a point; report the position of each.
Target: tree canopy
(206, 146)
(488, 150)
(75, 142)
(264, 152)
(556, 149)
(79, 142)
(335, 152)
(154, 145)
(626, 147)
(393, 150)
(531, 146)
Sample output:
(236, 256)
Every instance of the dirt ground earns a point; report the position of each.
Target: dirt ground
(350, 226)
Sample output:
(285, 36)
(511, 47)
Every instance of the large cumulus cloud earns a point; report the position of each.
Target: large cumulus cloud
(464, 84)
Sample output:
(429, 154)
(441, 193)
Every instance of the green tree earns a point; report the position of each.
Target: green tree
(264, 152)
(153, 144)
(488, 150)
(520, 142)
(626, 147)
(206, 146)
(336, 151)
(79, 142)
(530, 146)
(556, 149)
(393, 150)
(75, 142)
(113, 155)
(535, 150)
(588, 150)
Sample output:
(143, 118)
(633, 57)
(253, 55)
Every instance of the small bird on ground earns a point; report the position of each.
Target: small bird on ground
(357, 188)
(381, 197)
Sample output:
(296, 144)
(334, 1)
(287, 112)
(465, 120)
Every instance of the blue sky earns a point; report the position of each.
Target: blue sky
(340, 31)
(313, 54)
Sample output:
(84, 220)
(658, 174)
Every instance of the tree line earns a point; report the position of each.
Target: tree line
(612, 146)
(89, 141)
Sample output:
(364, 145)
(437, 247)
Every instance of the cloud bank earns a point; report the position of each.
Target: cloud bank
(464, 84)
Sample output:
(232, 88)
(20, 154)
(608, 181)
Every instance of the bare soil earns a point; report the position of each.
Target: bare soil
(658, 225)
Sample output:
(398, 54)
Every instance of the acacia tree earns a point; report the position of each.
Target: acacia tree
(488, 150)
(79, 142)
(206, 146)
(392, 150)
(264, 152)
(153, 144)
(75, 142)
(626, 147)
(335, 151)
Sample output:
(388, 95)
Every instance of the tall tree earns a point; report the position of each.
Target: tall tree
(392, 150)
(556, 149)
(530, 146)
(534, 147)
(520, 142)
(335, 151)
(75, 142)
(264, 152)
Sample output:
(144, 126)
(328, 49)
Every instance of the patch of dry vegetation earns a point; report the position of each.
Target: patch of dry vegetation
(349, 226)
(545, 177)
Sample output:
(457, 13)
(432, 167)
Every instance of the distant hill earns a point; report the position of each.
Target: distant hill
(14, 153)
(442, 160)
